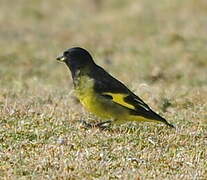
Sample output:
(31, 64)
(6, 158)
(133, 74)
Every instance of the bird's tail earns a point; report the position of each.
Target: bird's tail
(161, 119)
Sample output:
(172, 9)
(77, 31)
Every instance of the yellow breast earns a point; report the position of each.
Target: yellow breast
(90, 99)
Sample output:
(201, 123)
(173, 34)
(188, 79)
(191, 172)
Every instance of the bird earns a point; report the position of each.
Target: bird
(102, 94)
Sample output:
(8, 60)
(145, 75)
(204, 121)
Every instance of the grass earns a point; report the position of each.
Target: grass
(157, 48)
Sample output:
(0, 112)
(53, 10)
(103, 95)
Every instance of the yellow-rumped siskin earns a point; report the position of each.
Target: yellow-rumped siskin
(104, 95)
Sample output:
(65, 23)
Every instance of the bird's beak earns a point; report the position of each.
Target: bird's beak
(61, 58)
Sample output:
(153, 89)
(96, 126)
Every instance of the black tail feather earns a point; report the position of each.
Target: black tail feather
(159, 118)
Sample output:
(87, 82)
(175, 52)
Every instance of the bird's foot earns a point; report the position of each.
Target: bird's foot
(103, 125)
(86, 124)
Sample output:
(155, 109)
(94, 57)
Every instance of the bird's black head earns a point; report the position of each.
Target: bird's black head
(76, 59)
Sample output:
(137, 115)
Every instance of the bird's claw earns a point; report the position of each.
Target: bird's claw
(103, 125)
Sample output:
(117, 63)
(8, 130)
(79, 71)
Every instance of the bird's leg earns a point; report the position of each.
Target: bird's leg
(102, 125)
(85, 124)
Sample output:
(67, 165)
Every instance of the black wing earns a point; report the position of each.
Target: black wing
(115, 90)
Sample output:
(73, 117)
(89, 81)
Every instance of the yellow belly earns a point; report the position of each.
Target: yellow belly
(94, 102)
(97, 105)
(101, 106)
(106, 109)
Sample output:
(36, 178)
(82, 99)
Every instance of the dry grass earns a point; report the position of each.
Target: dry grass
(157, 48)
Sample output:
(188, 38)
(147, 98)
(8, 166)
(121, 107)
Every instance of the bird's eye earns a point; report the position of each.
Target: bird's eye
(66, 53)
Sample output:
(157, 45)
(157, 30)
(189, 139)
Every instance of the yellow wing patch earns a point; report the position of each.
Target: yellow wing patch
(119, 99)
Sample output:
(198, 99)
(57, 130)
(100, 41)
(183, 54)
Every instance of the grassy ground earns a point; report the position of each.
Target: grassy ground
(158, 48)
